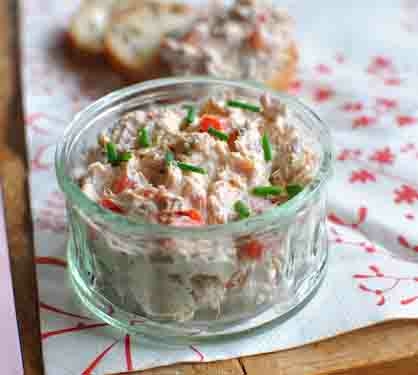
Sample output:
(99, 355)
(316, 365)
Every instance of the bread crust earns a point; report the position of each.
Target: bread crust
(283, 78)
(153, 69)
(82, 54)
(85, 47)
(150, 65)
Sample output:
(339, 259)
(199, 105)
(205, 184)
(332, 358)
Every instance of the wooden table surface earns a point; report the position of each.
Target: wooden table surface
(390, 348)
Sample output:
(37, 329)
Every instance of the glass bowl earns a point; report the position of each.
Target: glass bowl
(189, 284)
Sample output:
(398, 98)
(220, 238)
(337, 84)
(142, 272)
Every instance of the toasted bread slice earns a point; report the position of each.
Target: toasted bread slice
(133, 37)
(88, 26)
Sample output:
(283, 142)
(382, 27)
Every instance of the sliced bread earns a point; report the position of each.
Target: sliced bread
(133, 37)
(88, 26)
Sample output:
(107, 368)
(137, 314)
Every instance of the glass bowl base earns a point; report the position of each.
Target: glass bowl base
(177, 333)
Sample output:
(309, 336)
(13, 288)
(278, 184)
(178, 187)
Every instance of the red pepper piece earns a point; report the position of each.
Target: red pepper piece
(209, 121)
(121, 184)
(193, 214)
(256, 40)
(232, 138)
(110, 205)
(252, 249)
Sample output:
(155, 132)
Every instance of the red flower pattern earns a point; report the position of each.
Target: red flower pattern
(410, 216)
(323, 69)
(38, 163)
(408, 147)
(406, 194)
(367, 247)
(361, 218)
(386, 104)
(363, 121)
(52, 216)
(362, 213)
(348, 154)
(81, 326)
(380, 62)
(295, 87)
(394, 81)
(406, 120)
(380, 293)
(89, 370)
(383, 156)
(405, 243)
(340, 58)
(323, 94)
(362, 176)
(352, 107)
(128, 354)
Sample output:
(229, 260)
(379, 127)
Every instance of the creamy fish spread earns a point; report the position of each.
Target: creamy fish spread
(249, 40)
(218, 161)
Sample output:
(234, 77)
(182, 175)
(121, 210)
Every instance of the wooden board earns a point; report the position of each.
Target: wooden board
(390, 348)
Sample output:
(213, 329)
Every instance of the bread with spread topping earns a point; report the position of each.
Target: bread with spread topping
(248, 40)
(133, 38)
(147, 39)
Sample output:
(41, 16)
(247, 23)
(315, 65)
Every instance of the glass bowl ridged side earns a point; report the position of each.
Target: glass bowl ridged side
(128, 287)
(304, 251)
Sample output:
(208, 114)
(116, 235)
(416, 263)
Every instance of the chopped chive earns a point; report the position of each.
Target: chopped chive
(125, 156)
(190, 168)
(218, 134)
(242, 105)
(293, 189)
(169, 158)
(242, 210)
(191, 114)
(143, 138)
(112, 153)
(268, 153)
(264, 191)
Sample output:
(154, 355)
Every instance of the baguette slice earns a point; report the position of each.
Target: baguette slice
(133, 38)
(88, 26)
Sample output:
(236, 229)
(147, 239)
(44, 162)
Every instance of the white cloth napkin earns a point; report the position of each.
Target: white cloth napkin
(359, 69)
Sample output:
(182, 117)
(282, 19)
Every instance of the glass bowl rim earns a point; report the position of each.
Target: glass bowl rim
(74, 195)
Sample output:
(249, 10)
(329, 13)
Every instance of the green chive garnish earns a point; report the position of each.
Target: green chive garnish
(268, 153)
(293, 189)
(114, 157)
(220, 135)
(191, 114)
(143, 138)
(242, 105)
(241, 209)
(264, 191)
(112, 153)
(169, 158)
(125, 156)
(190, 168)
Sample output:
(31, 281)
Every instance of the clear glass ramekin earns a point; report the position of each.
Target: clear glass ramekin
(188, 284)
